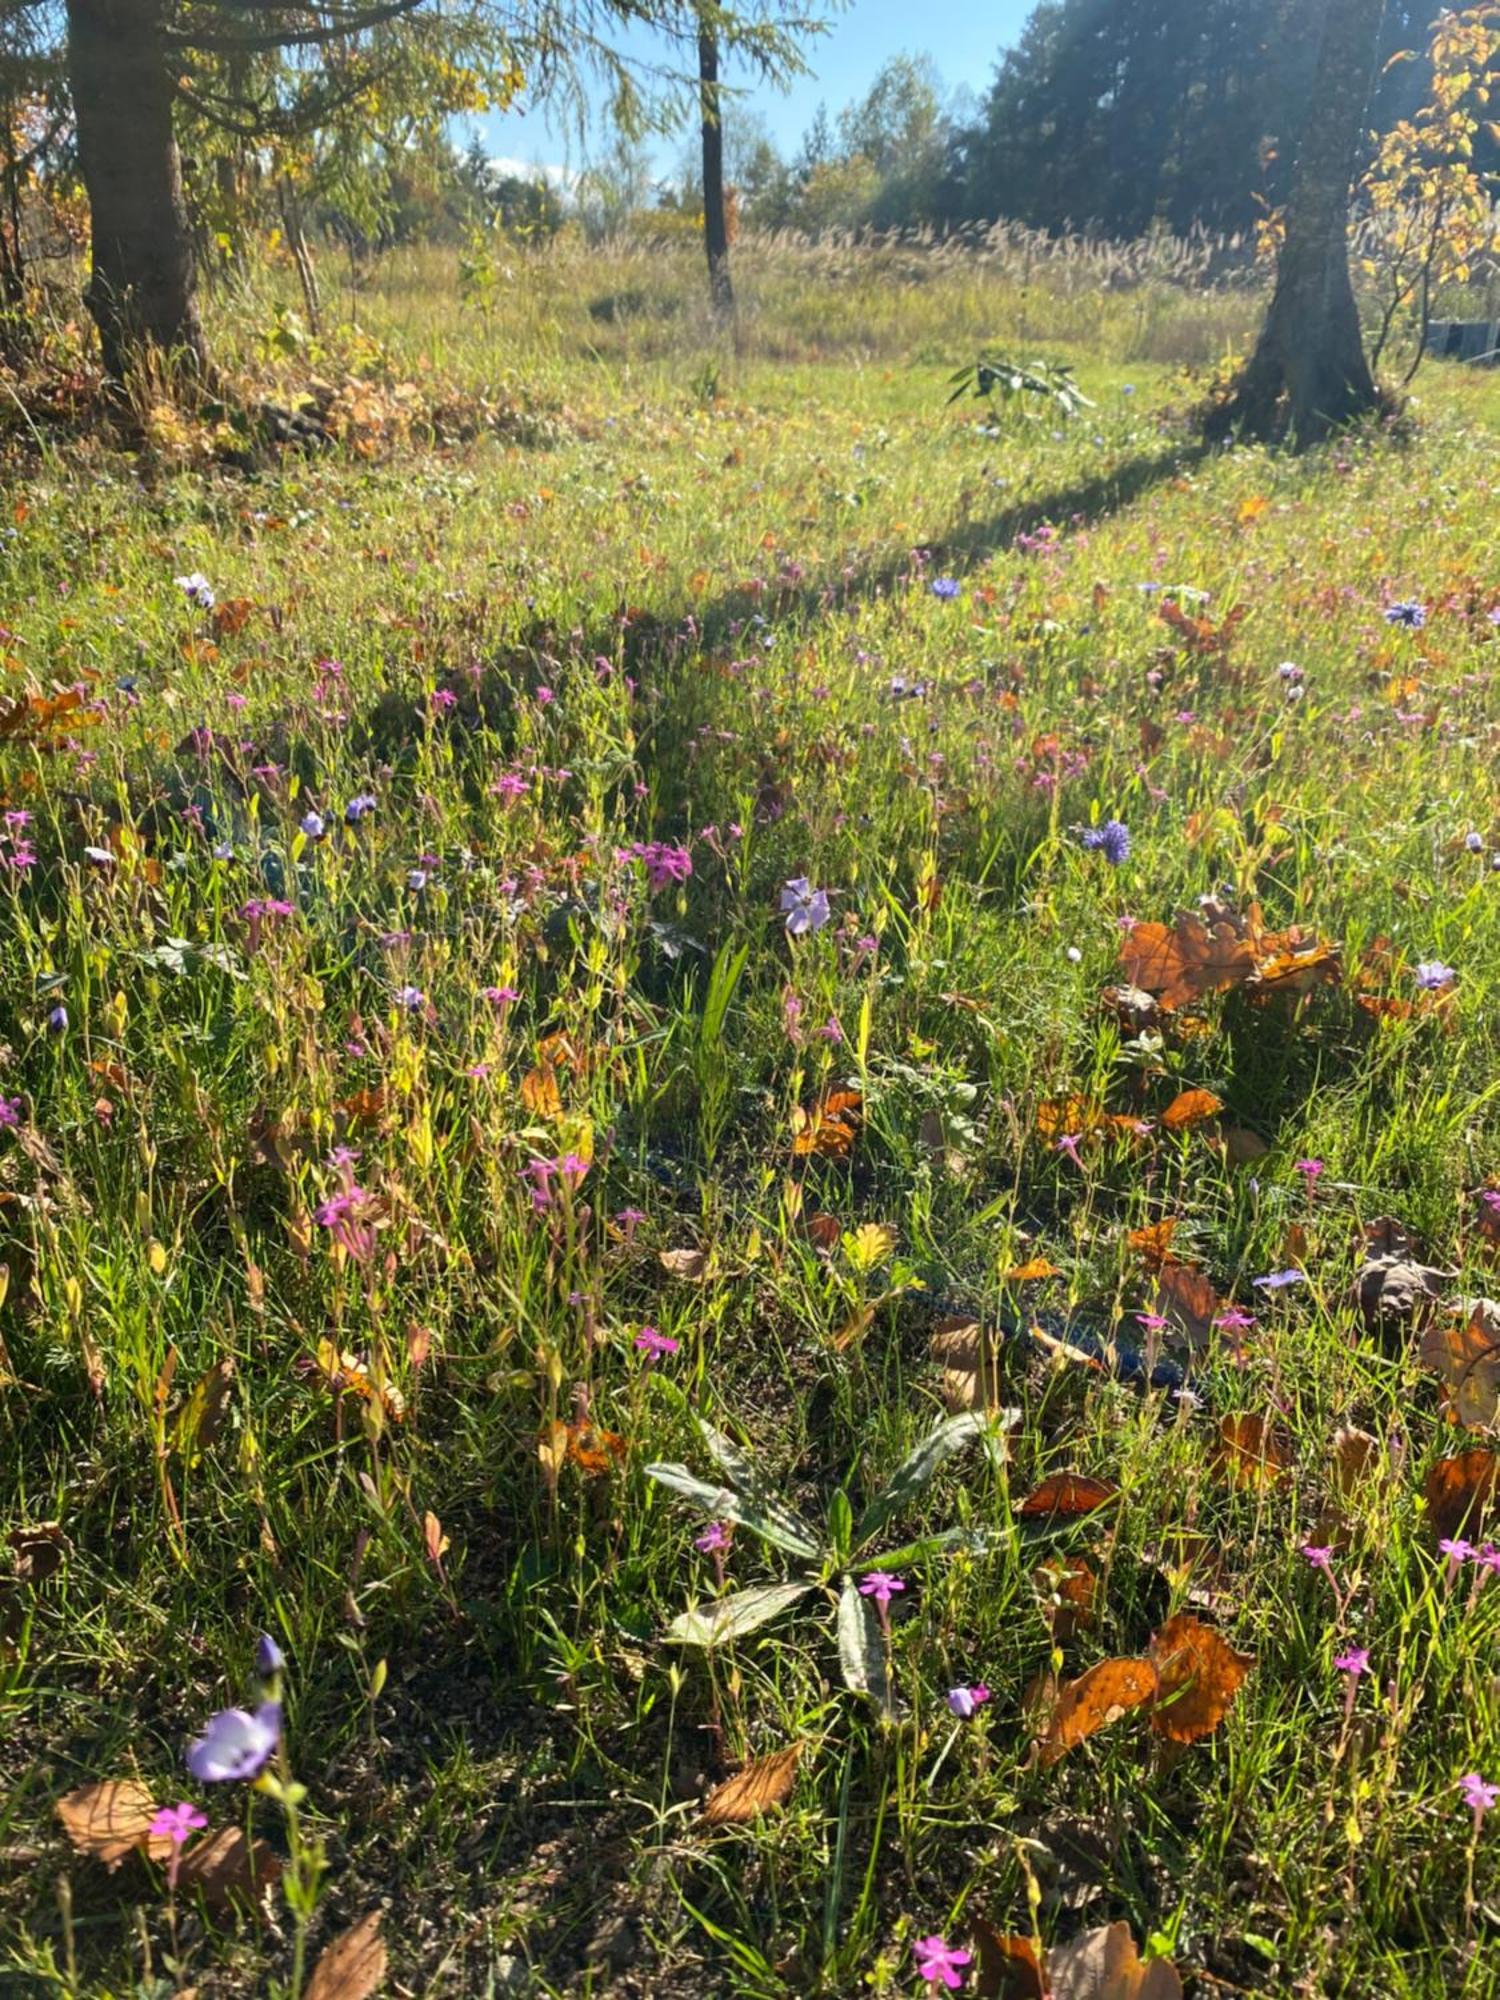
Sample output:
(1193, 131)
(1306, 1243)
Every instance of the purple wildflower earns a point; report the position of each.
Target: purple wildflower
(939, 1964)
(1354, 1663)
(1477, 1793)
(197, 589)
(715, 1538)
(806, 908)
(882, 1586)
(965, 1700)
(177, 1823)
(1409, 612)
(946, 587)
(238, 1743)
(655, 1344)
(1112, 840)
(1277, 1281)
(1432, 976)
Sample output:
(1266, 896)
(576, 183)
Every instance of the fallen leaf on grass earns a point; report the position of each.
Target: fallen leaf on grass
(1250, 1451)
(1186, 1297)
(1198, 1675)
(830, 1128)
(1153, 1243)
(1241, 1145)
(1394, 1291)
(691, 1265)
(540, 1094)
(1186, 960)
(1356, 1457)
(1465, 1352)
(1091, 1703)
(353, 1966)
(1105, 1965)
(39, 1551)
(970, 1360)
(1068, 1494)
(111, 1820)
(1006, 1968)
(1030, 1273)
(227, 1868)
(1460, 1492)
(1072, 1590)
(762, 1785)
(1191, 1108)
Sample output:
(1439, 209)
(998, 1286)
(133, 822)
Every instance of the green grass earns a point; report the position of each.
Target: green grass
(726, 597)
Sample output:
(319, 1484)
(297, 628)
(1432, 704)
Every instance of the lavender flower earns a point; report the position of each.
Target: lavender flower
(1432, 976)
(197, 589)
(806, 908)
(946, 587)
(963, 1701)
(362, 804)
(238, 1743)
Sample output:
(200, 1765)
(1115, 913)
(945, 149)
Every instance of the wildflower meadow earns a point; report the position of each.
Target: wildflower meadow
(749, 1158)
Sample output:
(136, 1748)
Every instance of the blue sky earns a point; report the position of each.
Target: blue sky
(962, 39)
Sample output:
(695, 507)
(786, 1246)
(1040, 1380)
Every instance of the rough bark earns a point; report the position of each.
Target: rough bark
(141, 289)
(715, 213)
(1308, 375)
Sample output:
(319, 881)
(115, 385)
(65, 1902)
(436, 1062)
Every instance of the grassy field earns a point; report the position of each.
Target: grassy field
(424, 1108)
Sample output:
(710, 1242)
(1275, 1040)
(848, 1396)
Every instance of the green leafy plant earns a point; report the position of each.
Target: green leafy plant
(834, 1557)
(1030, 389)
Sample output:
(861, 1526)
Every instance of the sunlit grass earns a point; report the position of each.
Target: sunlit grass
(699, 611)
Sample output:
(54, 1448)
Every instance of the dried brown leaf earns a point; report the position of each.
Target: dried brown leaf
(1465, 1352)
(1091, 1703)
(112, 1819)
(1460, 1492)
(1250, 1451)
(1199, 1675)
(1068, 1494)
(227, 1868)
(1104, 1964)
(353, 1966)
(763, 1784)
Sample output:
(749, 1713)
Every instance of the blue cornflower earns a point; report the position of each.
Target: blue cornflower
(358, 806)
(313, 825)
(1407, 612)
(946, 586)
(1112, 840)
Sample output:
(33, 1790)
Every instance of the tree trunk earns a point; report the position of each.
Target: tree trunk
(1308, 375)
(715, 214)
(141, 288)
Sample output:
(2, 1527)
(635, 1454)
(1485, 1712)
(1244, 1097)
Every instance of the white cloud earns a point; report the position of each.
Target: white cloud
(507, 166)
